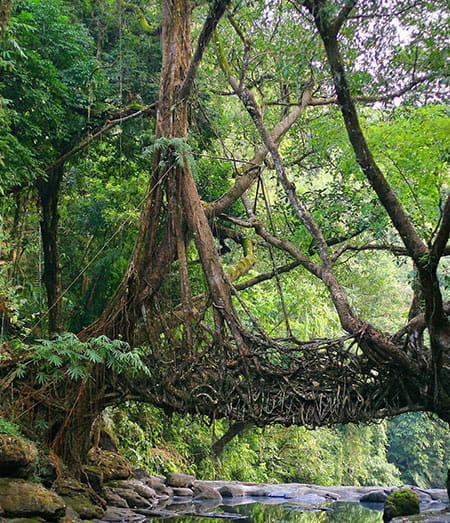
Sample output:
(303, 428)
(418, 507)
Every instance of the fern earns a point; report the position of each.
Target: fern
(8, 427)
(67, 356)
(172, 149)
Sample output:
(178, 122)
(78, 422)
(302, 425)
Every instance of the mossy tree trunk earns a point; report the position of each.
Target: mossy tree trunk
(173, 215)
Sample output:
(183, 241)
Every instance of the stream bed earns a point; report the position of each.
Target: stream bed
(266, 503)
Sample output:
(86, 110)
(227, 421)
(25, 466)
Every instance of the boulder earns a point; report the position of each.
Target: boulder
(20, 498)
(143, 475)
(422, 494)
(83, 506)
(206, 492)
(78, 498)
(232, 491)
(133, 499)
(113, 499)
(17, 457)
(154, 482)
(375, 496)
(111, 464)
(403, 502)
(175, 479)
(107, 440)
(70, 517)
(259, 492)
(138, 486)
(121, 514)
(167, 491)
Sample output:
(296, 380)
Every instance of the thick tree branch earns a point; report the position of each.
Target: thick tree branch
(249, 101)
(395, 249)
(438, 324)
(247, 176)
(364, 156)
(318, 101)
(264, 276)
(439, 246)
(342, 16)
(215, 14)
(143, 22)
(235, 429)
(284, 245)
(120, 118)
(398, 250)
(418, 324)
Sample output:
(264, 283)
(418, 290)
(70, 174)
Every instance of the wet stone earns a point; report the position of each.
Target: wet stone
(232, 491)
(178, 491)
(176, 479)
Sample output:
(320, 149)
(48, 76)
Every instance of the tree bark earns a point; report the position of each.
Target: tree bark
(5, 13)
(49, 197)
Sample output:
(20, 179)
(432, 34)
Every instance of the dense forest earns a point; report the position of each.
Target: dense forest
(224, 235)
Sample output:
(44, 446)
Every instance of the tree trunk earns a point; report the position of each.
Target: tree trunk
(5, 13)
(49, 197)
(173, 213)
(70, 434)
(237, 428)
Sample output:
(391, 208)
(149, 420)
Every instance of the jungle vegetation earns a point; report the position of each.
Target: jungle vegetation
(224, 223)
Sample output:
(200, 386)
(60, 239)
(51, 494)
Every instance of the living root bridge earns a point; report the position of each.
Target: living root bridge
(313, 384)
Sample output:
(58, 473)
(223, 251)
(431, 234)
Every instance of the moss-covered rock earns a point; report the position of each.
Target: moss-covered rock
(17, 457)
(404, 502)
(83, 505)
(134, 484)
(77, 497)
(23, 499)
(111, 464)
(94, 476)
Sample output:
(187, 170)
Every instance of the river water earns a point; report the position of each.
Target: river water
(280, 512)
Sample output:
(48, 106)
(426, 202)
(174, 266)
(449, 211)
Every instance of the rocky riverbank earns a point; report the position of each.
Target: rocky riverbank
(36, 487)
(188, 496)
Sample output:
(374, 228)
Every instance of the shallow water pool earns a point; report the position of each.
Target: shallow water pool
(282, 511)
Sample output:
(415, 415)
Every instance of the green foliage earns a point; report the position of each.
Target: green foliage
(176, 149)
(344, 455)
(419, 446)
(402, 502)
(65, 356)
(412, 147)
(43, 89)
(10, 428)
